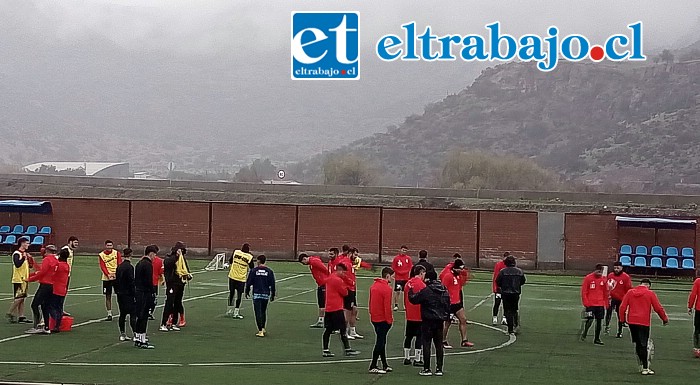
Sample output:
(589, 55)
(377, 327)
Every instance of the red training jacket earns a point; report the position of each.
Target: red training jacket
(336, 290)
(158, 270)
(500, 265)
(318, 270)
(380, 294)
(402, 265)
(693, 302)
(47, 270)
(463, 275)
(335, 261)
(412, 311)
(639, 302)
(454, 286)
(620, 284)
(594, 291)
(60, 279)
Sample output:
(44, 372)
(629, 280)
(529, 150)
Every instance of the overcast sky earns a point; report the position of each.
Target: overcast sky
(198, 25)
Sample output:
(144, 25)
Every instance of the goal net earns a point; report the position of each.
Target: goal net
(218, 263)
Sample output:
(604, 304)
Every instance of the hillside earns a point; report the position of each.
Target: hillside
(634, 125)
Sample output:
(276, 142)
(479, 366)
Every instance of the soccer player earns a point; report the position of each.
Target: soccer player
(510, 281)
(334, 258)
(453, 282)
(594, 296)
(262, 280)
(380, 296)
(177, 275)
(158, 279)
(413, 316)
(423, 261)
(402, 265)
(500, 265)
(73, 244)
(619, 283)
(336, 291)
(434, 301)
(694, 304)
(143, 284)
(20, 274)
(109, 260)
(126, 295)
(320, 273)
(60, 289)
(636, 311)
(241, 261)
(352, 262)
(42, 297)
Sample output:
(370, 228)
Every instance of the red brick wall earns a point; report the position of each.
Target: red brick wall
(322, 227)
(636, 236)
(269, 229)
(590, 239)
(676, 237)
(440, 232)
(91, 220)
(501, 231)
(164, 223)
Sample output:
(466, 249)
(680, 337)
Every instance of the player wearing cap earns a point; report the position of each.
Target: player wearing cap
(636, 311)
(402, 265)
(320, 273)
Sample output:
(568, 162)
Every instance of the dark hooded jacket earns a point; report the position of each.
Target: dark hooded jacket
(434, 302)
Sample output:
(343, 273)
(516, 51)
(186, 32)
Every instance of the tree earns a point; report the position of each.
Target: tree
(46, 169)
(256, 172)
(477, 170)
(348, 170)
(666, 56)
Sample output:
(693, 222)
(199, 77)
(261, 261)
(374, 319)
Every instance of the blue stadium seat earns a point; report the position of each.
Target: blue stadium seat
(626, 260)
(38, 240)
(672, 263)
(657, 251)
(4, 229)
(640, 250)
(10, 240)
(46, 230)
(688, 264)
(687, 252)
(31, 230)
(626, 249)
(19, 229)
(671, 252)
(656, 262)
(640, 262)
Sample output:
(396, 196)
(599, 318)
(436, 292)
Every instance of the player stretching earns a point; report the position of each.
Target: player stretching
(336, 291)
(110, 259)
(636, 311)
(453, 282)
(694, 304)
(619, 284)
(351, 299)
(594, 296)
(413, 318)
(402, 265)
(500, 265)
(320, 273)
(241, 261)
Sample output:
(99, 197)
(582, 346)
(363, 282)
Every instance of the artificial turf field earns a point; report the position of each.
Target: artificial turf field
(213, 349)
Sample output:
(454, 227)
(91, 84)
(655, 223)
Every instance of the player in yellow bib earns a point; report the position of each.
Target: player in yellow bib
(241, 262)
(20, 274)
(109, 260)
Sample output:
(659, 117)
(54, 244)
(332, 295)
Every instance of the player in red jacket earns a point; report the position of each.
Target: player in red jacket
(594, 296)
(453, 281)
(320, 273)
(382, 318)
(336, 291)
(694, 304)
(413, 317)
(500, 265)
(619, 283)
(636, 311)
(402, 265)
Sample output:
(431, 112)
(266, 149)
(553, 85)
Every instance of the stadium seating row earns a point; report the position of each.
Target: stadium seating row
(19, 230)
(657, 251)
(12, 239)
(657, 262)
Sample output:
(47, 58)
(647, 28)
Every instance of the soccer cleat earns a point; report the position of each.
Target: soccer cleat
(24, 320)
(352, 352)
(46, 331)
(388, 369)
(417, 363)
(145, 345)
(356, 336)
(237, 316)
(175, 328)
(438, 372)
(618, 335)
(123, 338)
(494, 322)
(109, 317)
(503, 322)
(467, 344)
(446, 345)
(425, 372)
(647, 372)
(327, 353)
(350, 337)
(34, 331)
(317, 325)
(396, 307)
(260, 334)
(377, 371)
(598, 342)
(406, 361)
(163, 328)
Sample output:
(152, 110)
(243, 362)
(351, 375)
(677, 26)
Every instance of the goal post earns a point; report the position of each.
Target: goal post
(217, 263)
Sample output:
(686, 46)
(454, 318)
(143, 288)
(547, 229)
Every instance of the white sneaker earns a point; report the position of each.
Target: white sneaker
(377, 371)
(163, 328)
(504, 322)
(647, 372)
(123, 338)
(350, 337)
(175, 328)
(355, 335)
(494, 322)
